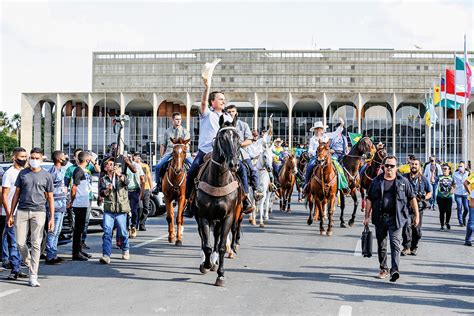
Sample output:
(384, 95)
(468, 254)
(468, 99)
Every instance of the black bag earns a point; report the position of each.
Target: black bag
(366, 242)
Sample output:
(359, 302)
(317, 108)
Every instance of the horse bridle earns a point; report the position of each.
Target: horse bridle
(177, 173)
(216, 139)
(379, 163)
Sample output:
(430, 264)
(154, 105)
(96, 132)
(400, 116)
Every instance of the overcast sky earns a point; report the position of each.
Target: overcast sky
(47, 46)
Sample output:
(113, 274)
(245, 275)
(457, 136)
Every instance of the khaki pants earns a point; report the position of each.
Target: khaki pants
(33, 221)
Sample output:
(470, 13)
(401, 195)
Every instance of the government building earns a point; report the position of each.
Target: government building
(378, 92)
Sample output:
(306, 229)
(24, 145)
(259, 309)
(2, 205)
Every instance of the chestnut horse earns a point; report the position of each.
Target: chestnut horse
(323, 189)
(351, 164)
(372, 170)
(287, 178)
(174, 184)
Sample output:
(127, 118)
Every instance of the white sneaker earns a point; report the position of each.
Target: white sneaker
(104, 260)
(126, 255)
(34, 282)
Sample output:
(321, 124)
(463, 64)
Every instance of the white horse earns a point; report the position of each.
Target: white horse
(264, 168)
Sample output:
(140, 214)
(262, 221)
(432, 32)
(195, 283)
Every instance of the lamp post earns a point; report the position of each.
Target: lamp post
(105, 120)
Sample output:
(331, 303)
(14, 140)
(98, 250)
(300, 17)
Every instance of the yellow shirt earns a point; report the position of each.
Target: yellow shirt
(470, 179)
(146, 170)
(404, 168)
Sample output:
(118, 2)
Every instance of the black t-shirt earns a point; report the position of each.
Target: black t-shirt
(389, 197)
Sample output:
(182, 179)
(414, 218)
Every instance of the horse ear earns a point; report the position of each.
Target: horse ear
(221, 120)
(234, 121)
(187, 141)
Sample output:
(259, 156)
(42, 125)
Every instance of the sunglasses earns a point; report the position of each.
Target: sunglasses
(389, 166)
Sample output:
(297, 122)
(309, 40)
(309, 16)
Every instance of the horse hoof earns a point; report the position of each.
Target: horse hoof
(351, 222)
(214, 268)
(329, 233)
(266, 218)
(179, 243)
(220, 281)
(262, 225)
(250, 219)
(254, 223)
(343, 225)
(323, 232)
(202, 269)
(171, 240)
(309, 221)
(231, 255)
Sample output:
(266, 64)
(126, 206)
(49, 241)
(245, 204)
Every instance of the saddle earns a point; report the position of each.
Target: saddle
(209, 189)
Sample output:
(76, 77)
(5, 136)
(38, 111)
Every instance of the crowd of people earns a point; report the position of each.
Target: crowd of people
(34, 196)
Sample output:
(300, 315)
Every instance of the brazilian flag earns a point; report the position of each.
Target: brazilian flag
(354, 137)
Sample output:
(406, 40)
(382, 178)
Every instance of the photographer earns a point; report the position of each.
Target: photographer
(423, 191)
(113, 188)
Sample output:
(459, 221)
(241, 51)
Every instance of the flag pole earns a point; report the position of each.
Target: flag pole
(440, 120)
(434, 122)
(455, 115)
(445, 111)
(465, 143)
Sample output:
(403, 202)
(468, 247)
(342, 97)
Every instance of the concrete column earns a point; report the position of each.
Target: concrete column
(122, 133)
(47, 138)
(359, 113)
(325, 108)
(26, 133)
(464, 143)
(58, 123)
(37, 126)
(394, 123)
(428, 144)
(255, 111)
(90, 113)
(290, 120)
(155, 125)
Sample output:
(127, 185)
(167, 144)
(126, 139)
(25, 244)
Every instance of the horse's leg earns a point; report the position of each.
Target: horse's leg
(280, 191)
(321, 207)
(331, 206)
(362, 196)
(180, 220)
(206, 245)
(170, 220)
(356, 203)
(290, 192)
(239, 227)
(309, 221)
(261, 209)
(226, 226)
(343, 206)
(217, 235)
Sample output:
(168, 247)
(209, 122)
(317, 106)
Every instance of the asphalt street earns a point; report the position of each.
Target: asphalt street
(284, 268)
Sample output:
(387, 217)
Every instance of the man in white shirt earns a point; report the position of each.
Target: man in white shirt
(20, 157)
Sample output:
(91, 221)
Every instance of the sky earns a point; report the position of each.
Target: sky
(47, 46)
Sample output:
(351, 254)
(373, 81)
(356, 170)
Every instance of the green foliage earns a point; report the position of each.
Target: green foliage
(7, 143)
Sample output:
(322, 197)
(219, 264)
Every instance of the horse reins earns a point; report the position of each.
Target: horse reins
(176, 172)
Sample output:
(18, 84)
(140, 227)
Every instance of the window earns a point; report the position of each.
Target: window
(427, 67)
(231, 79)
(353, 67)
(418, 67)
(330, 67)
(222, 79)
(353, 80)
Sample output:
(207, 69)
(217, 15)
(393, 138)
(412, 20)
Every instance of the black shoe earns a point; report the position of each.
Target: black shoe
(188, 212)
(414, 252)
(142, 228)
(7, 265)
(448, 227)
(85, 254)
(13, 276)
(394, 276)
(53, 261)
(79, 257)
(22, 275)
(43, 256)
(84, 245)
(468, 243)
(60, 259)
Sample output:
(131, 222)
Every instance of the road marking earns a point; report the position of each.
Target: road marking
(3, 294)
(149, 241)
(358, 250)
(345, 310)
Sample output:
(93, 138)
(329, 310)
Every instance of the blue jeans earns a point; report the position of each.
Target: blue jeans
(120, 222)
(134, 199)
(462, 203)
(435, 193)
(242, 173)
(52, 238)
(14, 257)
(470, 225)
(253, 173)
(309, 170)
(193, 172)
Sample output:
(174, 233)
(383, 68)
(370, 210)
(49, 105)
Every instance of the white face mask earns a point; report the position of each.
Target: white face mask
(34, 163)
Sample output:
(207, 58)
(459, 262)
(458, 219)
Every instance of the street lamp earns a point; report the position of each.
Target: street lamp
(105, 119)
(266, 99)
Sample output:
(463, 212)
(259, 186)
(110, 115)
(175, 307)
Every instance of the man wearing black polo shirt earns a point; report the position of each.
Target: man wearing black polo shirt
(387, 202)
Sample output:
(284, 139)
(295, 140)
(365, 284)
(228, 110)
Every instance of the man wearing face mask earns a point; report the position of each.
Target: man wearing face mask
(422, 189)
(8, 190)
(34, 187)
(460, 193)
(59, 194)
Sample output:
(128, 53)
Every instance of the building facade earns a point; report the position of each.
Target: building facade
(378, 92)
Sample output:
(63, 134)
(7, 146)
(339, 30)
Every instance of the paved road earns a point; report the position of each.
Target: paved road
(285, 268)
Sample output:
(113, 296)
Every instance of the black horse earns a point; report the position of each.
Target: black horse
(351, 163)
(218, 197)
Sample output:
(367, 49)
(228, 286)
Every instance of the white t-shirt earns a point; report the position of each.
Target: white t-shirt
(8, 181)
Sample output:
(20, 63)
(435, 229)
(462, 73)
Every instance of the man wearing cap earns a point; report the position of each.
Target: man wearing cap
(277, 149)
(209, 126)
(319, 130)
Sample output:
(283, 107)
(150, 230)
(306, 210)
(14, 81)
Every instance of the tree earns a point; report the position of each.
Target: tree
(7, 143)
(15, 122)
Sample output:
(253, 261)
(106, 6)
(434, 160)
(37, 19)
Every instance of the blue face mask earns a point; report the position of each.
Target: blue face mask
(34, 163)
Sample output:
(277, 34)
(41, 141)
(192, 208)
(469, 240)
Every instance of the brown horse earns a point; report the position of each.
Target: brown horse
(174, 184)
(287, 178)
(372, 170)
(323, 189)
(351, 163)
